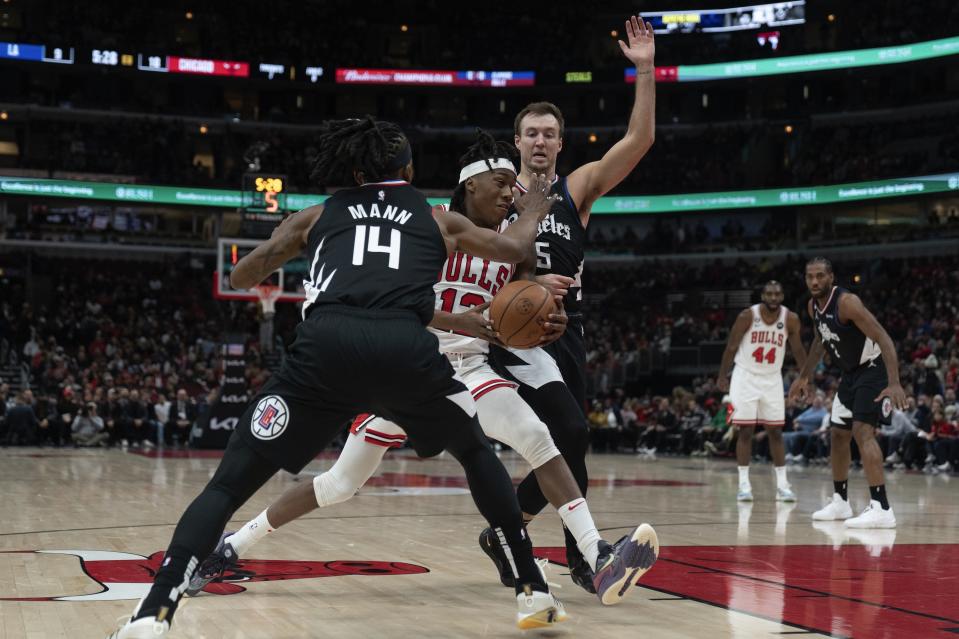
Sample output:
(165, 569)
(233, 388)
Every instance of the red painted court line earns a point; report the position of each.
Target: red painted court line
(909, 590)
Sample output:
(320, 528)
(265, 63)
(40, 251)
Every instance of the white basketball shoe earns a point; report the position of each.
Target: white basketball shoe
(538, 609)
(873, 517)
(834, 510)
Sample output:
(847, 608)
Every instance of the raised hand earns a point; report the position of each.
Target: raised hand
(642, 45)
(537, 200)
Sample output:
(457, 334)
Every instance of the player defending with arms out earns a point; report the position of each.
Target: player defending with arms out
(465, 289)
(374, 250)
(560, 244)
(867, 391)
(757, 341)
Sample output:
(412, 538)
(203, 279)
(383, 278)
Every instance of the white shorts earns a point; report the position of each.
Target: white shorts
(757, 399)
(502, 413)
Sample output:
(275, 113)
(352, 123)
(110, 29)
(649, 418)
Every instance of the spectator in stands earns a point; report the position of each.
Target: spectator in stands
(87, 428)
(891, 436)
(161, 417)
(67, 410)
(942, 440)
(182, 415)
(22, 422)
(804, 426)
(691, 427)
(139, 427)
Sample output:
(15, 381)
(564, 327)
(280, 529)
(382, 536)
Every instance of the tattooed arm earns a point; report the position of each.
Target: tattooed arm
(286, 242)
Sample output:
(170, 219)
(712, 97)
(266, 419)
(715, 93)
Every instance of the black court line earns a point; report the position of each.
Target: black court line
(812, 591)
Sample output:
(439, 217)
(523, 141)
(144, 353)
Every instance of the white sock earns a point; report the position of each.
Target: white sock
(744, 476)
(781, 481)
(577, 519)
(251, 532)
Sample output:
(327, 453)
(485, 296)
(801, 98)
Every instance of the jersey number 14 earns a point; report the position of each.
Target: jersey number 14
(361, 246)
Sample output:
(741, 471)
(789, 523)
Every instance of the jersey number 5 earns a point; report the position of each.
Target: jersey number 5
(361, 246)
(543, 260)
(770, 355)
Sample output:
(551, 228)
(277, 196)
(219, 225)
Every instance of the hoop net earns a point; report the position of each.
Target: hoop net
(267, 294)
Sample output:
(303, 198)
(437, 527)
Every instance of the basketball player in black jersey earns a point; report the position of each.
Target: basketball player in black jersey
(867, 391)
(362, 346)
(538, 131)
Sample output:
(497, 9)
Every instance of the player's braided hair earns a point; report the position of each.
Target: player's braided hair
(821, 260)
(484, 148)
(366, 145)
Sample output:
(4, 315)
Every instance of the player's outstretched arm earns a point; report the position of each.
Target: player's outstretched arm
(736, 333)
(590, 181)
(851, 309)
(800, 387)
(286, 242)
(793, 327)
(512, 245)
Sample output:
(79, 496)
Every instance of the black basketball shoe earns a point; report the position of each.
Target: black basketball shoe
(493, 550)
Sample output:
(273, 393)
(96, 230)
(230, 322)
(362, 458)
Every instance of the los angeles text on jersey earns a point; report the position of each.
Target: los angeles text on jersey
(773, 338)
(550, 225)
(464, 268)
(393, 213)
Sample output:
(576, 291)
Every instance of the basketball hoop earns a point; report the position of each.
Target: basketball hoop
(267, 294)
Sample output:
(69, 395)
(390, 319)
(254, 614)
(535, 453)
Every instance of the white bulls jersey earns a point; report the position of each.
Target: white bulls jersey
(764, 345)
(465, 282)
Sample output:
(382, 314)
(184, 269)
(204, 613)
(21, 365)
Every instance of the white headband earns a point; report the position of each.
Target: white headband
(482, 166)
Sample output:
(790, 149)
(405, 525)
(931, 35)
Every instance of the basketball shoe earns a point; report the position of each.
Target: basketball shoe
(539, 609)
(145, 628)
(873, 517)
(837, 508)
(745, 493)
(619, 566)
(213, 567)
(785, 494)
(579, 570)
(489, 544)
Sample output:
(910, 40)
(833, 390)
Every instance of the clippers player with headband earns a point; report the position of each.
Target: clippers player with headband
(867, 393)
(757, 341)
(374, 250)
(465, 289)
(538, 134)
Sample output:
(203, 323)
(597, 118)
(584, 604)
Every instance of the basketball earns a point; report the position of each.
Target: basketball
(519, 311)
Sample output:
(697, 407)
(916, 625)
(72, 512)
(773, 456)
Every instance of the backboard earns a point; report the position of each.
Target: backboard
(230, 250)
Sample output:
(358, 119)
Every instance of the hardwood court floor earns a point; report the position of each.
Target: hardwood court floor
(401, 560)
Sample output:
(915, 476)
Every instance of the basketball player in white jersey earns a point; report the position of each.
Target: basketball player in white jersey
(757, 342)
(466, 286)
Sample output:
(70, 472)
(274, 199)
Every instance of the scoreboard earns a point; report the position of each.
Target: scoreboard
(264, 203)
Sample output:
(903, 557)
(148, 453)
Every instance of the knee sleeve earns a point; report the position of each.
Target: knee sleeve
(330, 488)
(505, 417)
(356, 464)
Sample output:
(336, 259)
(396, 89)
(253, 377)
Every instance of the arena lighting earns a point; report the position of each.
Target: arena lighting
(592, 137)
(404, 28)
(788, 129)
(614, 33)
(203, 129)
(831, 17)
(189, 15)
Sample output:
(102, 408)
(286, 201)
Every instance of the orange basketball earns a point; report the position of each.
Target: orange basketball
(518, 312)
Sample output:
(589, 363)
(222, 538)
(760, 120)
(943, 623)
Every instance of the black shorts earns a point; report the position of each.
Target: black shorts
(855, 399)
(569, 351)
(345, 361)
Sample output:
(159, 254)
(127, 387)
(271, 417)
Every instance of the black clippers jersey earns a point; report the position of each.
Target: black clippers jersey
(376, 247)
(560, 242)
(847, 345)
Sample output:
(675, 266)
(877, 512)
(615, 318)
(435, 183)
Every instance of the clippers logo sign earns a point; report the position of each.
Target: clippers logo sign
(127, 576)
(270, 418)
